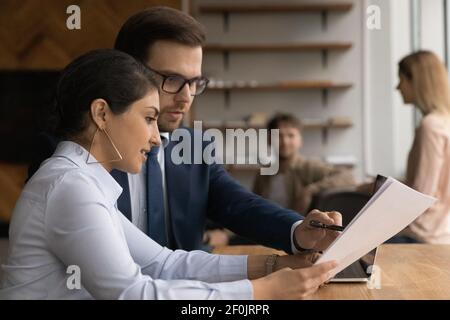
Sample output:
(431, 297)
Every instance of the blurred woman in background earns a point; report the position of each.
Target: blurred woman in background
(424, 83)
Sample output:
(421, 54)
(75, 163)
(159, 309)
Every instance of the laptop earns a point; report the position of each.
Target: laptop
(361, 270)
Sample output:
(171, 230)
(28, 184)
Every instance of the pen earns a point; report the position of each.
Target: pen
(317, 224)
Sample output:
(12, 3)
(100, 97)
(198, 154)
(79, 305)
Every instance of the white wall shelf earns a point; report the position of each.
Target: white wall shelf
(322, 8)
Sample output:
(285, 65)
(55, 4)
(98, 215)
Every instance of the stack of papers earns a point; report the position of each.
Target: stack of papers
(393, 207)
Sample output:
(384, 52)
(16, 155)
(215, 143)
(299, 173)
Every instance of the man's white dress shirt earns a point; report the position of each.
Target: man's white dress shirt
(67, 216)
(138, 190)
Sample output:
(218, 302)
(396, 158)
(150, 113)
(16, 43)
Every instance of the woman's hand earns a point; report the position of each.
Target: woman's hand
(292, 284)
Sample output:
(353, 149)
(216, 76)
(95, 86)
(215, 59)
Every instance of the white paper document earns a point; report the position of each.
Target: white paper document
(393, 207)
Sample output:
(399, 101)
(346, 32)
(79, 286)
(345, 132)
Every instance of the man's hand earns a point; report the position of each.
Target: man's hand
(318, 239)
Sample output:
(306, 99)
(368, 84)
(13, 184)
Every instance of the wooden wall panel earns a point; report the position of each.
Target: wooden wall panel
(34, 36)
(12, 180)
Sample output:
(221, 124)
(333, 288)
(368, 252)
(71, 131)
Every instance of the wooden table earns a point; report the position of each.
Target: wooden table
(409, 271)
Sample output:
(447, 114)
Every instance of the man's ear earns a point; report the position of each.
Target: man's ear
(99, 110)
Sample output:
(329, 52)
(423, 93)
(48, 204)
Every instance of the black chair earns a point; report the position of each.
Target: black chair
(347, 202)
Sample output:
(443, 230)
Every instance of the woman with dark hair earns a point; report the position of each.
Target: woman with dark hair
(68, 240)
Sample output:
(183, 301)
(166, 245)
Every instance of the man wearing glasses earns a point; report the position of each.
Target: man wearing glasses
(169, 42)
(171, 203)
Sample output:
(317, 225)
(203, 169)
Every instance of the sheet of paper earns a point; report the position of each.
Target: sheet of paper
(388, 212)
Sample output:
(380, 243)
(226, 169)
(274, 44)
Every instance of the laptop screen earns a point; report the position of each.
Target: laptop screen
(361, 269)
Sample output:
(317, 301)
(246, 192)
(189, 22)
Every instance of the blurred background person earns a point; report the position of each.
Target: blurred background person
(423, 82)
(299, 178)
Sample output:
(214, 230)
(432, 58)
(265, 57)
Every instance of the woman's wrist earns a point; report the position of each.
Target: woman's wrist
(271, 263)
(261, 266)
(296, 261)
(256, 266)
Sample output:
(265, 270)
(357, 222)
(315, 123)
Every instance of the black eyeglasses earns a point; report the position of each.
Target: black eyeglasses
(174, 83)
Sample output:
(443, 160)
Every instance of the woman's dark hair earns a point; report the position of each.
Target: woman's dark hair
(106, 74)
(143, 29)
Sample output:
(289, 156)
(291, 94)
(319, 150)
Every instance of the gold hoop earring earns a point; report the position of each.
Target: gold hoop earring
(112, 144)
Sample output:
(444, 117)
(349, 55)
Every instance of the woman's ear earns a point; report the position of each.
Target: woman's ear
(99, 110)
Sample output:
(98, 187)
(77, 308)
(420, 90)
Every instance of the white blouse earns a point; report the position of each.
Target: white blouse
(67, 216)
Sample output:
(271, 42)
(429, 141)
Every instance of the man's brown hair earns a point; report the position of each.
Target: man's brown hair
(143, 29)
(284, 119)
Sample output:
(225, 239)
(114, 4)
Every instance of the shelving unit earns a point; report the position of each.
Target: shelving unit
(322, 9)
(324, 48)
(237, 90)
(282, 86)
(275, 7)
(253, 168)
(278, 47)
(323, 125)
